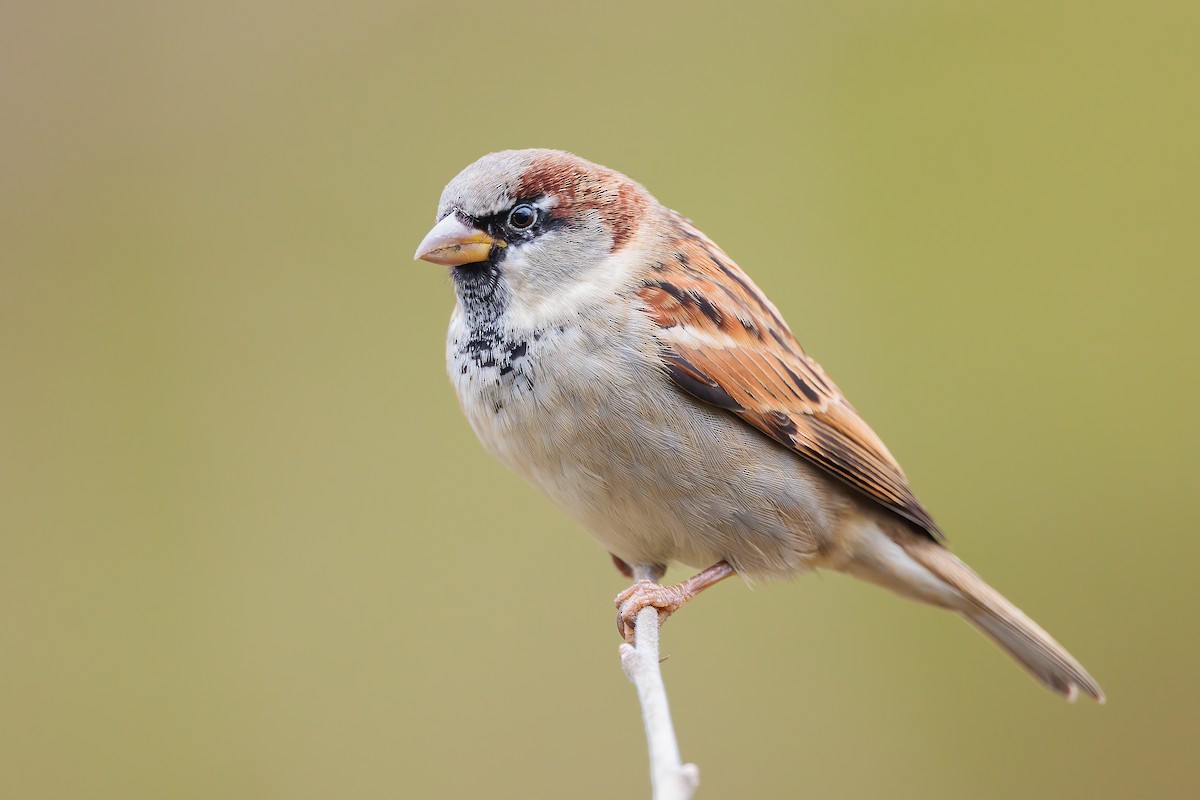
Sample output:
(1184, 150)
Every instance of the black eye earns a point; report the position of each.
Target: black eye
(522, 217)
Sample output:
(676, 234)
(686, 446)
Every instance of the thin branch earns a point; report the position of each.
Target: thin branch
(670, 778)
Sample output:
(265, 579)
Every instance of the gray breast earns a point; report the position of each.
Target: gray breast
(655, 476)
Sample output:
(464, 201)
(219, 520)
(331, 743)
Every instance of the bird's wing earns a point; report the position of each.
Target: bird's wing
(726, 344)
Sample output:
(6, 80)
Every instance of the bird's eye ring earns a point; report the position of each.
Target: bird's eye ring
(522, 217)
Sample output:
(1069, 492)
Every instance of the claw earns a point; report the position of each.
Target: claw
(667, 599)
(646, 594)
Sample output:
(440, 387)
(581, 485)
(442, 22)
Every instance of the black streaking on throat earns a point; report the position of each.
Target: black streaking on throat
(481, 291)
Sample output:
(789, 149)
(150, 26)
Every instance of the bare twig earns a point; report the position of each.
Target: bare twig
(670, 778)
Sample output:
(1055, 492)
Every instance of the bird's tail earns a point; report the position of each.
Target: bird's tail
(1005, 624)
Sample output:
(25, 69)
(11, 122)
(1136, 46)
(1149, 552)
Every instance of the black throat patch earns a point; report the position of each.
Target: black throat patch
(482, 292)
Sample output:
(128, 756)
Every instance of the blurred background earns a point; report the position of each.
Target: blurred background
(252, 550)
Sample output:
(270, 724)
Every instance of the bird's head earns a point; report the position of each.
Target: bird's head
(536, 223)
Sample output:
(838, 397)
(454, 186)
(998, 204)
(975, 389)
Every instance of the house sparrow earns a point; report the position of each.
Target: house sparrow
(612, 354)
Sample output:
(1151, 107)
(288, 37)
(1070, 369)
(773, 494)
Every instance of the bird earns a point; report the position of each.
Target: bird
(612, 354)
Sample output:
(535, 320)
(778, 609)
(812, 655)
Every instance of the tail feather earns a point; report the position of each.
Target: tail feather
(1006, 625)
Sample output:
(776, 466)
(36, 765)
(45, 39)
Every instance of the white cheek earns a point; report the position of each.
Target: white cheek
(549, 285)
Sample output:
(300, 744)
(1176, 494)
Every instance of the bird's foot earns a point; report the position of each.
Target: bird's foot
(644, 594)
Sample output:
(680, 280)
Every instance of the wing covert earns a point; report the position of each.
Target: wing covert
(726, 344)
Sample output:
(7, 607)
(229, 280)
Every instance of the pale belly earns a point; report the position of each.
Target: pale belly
(654, 475)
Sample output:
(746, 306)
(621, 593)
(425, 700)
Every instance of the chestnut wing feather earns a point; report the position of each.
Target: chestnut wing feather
(727, 345)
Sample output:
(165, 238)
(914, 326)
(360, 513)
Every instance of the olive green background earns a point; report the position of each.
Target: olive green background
(250, 549)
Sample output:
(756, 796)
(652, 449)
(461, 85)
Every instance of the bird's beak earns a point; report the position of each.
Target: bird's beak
(452, 243)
